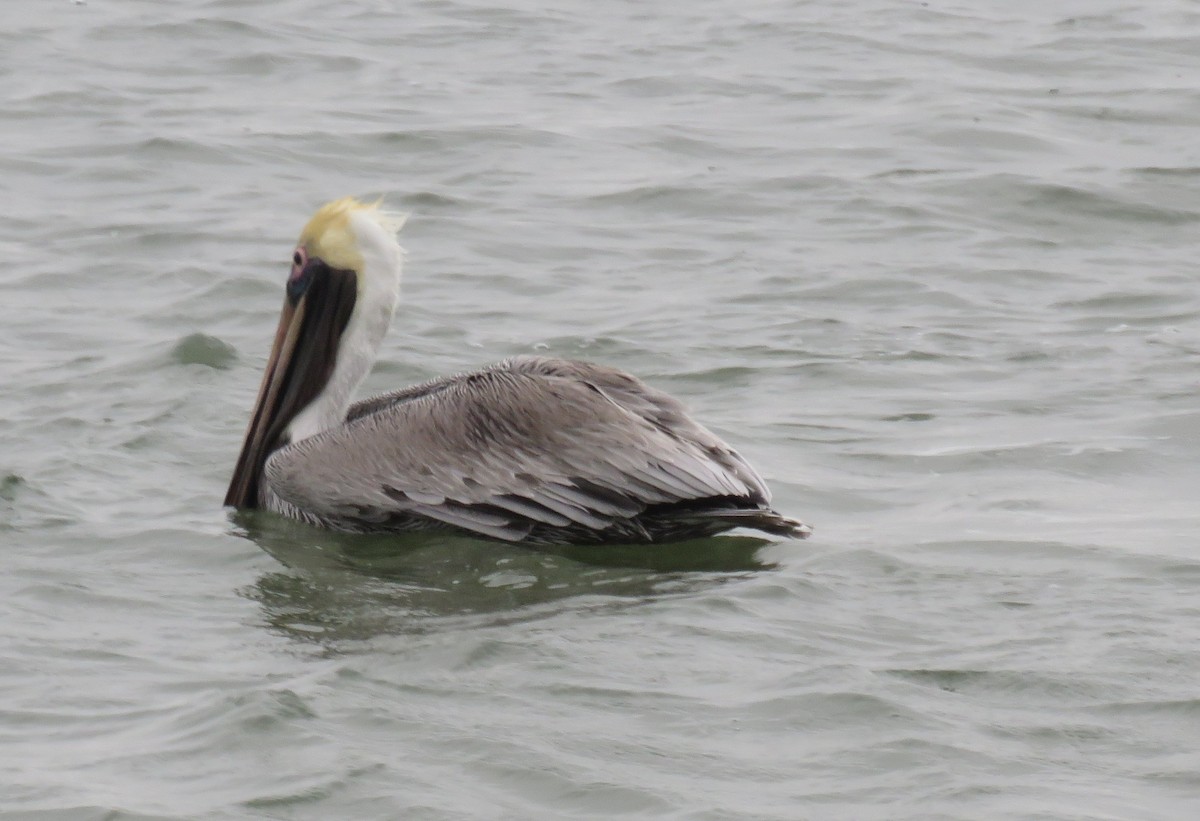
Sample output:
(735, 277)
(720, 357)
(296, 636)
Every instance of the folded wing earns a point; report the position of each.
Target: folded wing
(531, 445)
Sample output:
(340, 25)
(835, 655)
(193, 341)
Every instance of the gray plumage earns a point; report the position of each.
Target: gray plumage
(532, 449)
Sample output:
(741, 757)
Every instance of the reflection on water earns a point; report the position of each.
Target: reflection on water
(340, 586)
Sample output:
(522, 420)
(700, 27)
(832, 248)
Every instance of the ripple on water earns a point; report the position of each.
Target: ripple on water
(202, 349)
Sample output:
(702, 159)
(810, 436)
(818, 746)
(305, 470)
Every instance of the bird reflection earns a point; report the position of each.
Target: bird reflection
(343, 587)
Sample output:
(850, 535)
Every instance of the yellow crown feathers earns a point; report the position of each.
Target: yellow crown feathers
(329, 235)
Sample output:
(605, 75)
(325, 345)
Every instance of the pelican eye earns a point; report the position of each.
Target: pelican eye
(303, 271)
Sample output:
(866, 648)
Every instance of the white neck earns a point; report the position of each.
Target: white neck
(375, 303)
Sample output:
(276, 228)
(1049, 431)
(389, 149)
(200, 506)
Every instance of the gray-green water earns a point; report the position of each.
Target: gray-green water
(931, 266)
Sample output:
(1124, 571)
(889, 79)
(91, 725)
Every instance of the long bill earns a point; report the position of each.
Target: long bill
(302, 360)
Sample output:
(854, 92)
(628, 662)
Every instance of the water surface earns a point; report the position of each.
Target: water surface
(931, 267)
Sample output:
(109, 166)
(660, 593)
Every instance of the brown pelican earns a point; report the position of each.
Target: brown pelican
(532, 449)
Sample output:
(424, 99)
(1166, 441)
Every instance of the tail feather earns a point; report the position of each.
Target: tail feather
(768, 521)
(764, 519)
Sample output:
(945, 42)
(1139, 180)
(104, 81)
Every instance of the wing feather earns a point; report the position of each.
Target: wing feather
(531, 441)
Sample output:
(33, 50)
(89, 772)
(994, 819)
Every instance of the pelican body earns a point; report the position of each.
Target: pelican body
(533, 449)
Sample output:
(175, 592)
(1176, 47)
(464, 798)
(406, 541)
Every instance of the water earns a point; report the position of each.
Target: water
(931, 266)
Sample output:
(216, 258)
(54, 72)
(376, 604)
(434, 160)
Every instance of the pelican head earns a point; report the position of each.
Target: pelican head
(340, 297)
